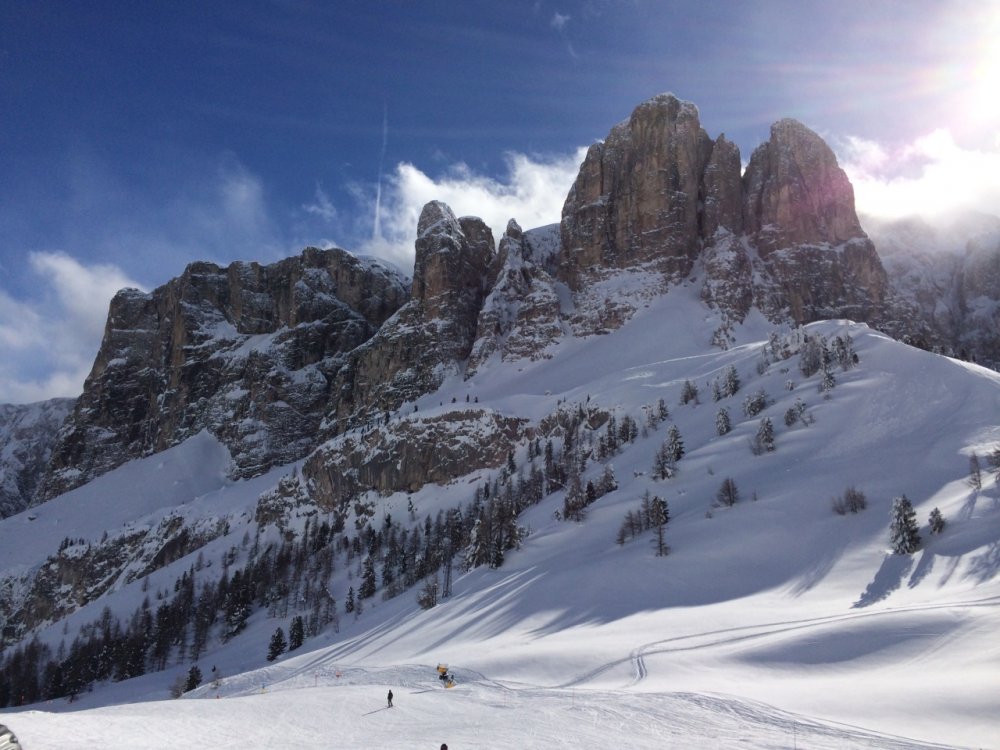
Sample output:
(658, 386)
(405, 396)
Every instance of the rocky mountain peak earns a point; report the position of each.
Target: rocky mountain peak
(795, 192)
(635, 199)
(245, 351)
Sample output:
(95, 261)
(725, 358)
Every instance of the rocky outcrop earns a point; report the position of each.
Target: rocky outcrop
(27, 435)
(408, 453)
(246, 351)
(795, 193)
(659, 194)
(798, 211)
(521, 316)
(722, 190)
(635, 200)
(432, 335)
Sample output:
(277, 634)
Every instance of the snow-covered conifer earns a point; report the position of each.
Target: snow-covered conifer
(936, 521)
(763, 441)
(903, 532)
(722, 423)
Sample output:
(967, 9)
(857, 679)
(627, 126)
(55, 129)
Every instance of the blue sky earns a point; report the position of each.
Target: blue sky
(138, 137)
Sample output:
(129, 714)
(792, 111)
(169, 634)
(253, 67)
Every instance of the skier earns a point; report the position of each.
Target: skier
(390, 699)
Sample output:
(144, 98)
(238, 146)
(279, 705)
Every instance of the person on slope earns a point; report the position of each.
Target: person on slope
(390, 699)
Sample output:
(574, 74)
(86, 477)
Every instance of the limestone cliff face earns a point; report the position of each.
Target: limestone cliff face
(659, 194)
(407, 453)
(246, 352)
(636, 198)
(798, 211)
(432, 335)
(795, 193)
(722, 190)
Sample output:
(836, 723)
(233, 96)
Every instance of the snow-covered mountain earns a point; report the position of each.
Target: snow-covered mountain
(946, 283)
(628, 488)
(27, 434)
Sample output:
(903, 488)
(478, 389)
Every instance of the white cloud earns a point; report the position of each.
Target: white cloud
(559, 21)
(321, 206)
(933, 177)
(532, 192)
(50, 341)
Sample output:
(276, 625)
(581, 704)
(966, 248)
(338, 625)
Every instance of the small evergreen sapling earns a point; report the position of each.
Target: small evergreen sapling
(936, 521)
(728, 493)
(975, 473)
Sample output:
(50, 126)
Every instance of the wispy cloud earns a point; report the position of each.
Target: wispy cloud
(321, 206)
(932, 177)
(559, 22)
(532, 191)
(50, 340)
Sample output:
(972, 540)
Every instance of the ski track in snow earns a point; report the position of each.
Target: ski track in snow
(729, 636)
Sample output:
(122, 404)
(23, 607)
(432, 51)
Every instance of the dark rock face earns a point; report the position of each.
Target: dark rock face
(722, 190)
(431, 336)
(246, 352)
(27, 434)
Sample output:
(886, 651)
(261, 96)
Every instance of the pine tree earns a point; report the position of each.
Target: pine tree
(368, 584)
(296, 633)
(277, 645)
(936, 521)
(732, 382)
(763, 442)
(349, 602)
(663, 463)
(728, 493)
(903, 533)
(722, 423)
(658, 517)
(689, 393)
(674, 445)
(828, 382)
(661, 410)
(193, 679)
(975, 473)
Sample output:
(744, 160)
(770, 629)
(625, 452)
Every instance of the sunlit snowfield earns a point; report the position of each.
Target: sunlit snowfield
(775, 623)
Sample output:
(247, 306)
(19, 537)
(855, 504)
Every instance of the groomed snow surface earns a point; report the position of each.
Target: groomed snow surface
(775, 623)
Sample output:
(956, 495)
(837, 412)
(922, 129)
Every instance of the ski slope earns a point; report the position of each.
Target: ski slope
(772, 623)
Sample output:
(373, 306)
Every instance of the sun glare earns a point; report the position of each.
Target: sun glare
(984, 107)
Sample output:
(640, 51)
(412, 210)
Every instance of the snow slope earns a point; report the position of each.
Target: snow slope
(772, 623)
